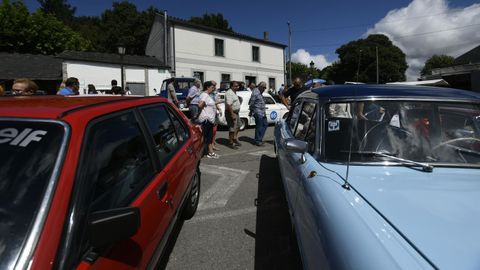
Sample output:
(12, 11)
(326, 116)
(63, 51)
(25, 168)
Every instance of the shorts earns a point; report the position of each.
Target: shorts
(233, 125)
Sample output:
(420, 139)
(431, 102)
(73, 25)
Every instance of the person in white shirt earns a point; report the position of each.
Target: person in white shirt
(207, 112)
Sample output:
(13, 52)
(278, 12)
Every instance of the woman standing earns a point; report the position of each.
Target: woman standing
(206, 117)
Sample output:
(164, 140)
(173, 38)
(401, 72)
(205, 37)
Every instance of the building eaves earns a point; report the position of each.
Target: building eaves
(32, 66)
(111, 58)
(185, 23)
(470, 57)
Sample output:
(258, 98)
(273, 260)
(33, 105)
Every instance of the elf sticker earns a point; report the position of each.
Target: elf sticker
(334, 125)
(21, 138)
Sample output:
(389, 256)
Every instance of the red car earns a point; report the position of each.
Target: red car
(93, 182)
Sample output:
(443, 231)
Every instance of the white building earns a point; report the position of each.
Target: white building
(207, 53)
(141, 74)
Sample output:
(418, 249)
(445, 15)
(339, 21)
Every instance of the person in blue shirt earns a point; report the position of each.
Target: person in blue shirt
(257, 109)
(71, 87)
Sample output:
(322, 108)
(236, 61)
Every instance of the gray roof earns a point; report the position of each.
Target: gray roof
(186, 23)
(470, 57)
(111, 58)
(37, 67)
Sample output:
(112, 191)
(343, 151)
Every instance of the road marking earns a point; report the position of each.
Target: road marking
(226, 214)
(219, 193)
(263, 152)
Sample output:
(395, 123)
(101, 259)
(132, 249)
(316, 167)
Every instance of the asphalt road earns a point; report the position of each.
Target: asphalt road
(242, 221)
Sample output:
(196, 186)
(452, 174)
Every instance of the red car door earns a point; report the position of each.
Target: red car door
(119, 169)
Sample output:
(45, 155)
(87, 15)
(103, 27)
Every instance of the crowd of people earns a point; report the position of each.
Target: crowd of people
(203, 104)
(69, 87)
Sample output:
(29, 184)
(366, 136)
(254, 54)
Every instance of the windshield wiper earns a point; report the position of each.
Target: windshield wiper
(425, 166)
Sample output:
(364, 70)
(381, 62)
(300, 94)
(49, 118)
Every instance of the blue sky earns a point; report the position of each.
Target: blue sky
(320, 27)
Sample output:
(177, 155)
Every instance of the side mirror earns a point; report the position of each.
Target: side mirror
(297, 146)
(110, 226)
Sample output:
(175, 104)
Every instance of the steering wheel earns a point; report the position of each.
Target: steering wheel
(449, 142)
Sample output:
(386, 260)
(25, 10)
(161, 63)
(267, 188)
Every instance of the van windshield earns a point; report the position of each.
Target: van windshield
(29, 152)
(432, 132)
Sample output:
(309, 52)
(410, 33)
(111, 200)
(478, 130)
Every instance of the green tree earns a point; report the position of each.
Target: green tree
(436, 61)
(213, 20)
(36, 33)
(124, 24)
(357, 61)
(60, 9)
(303, 72)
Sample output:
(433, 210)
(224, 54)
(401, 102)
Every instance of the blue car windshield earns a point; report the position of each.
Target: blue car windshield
(433, 132)
(29, 151)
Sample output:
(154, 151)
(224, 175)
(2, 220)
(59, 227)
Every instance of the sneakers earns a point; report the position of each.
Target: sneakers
(237, 143)
(212, 155)
(259, 143)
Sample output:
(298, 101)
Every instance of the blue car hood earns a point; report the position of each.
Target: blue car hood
(439, 212)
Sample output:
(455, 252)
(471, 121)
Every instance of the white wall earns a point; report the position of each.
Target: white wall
(101, 75)
(194, 51)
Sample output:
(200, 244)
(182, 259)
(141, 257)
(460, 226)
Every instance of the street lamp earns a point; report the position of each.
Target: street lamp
(312, 66)
(121, 51)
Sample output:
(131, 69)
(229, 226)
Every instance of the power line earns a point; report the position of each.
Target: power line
(370, 24)
(399, 37)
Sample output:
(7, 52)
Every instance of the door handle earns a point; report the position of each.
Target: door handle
(162, 190)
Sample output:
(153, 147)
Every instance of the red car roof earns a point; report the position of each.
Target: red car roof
(51, 106)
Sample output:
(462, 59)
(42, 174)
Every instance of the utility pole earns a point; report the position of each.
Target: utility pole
(289, 53)
(359, 59)
(376, 50)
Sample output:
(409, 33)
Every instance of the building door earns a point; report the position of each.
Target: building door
(250, 79)
(198, 75)
(137, 88)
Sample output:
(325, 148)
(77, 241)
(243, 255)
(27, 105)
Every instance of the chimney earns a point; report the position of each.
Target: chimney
(265, 36)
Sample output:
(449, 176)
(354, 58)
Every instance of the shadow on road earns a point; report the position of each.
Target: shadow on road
(275, 244)
(172, 239)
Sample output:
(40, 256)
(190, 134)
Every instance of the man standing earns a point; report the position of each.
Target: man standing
(257, 109)
(172, 93)
(71, 87)
(193, 98)
(116, 90)
(251, 86)
(24, 87)
(232, 108)
(292, 92)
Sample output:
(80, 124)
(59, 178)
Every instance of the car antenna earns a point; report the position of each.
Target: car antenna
(346, 185)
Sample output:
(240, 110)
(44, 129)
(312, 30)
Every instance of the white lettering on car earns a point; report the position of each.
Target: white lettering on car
(23, 139)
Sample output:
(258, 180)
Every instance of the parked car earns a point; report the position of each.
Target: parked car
(274, 110)
(383, 177)
(93, 182)
(182, 85)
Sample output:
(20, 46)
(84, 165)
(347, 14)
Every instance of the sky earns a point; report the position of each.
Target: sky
(420, 28)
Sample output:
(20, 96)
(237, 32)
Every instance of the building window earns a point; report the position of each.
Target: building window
(198, 75)
(271, 84)
(219, 47)
(225, 77)
(250, 79)
(255, 54)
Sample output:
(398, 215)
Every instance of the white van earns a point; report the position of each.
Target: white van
(274, 110)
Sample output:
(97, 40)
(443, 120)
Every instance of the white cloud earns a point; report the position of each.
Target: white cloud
(408, 27)
(304, 57)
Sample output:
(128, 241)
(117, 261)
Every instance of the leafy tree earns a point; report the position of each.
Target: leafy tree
(357, 61)
(213, 20)
(436, 61)
(303, 72)
(60, 9)
(125, 25)
(36, 33)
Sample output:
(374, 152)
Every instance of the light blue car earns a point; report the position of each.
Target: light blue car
(383, 177)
